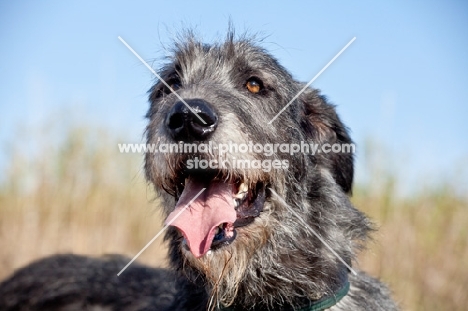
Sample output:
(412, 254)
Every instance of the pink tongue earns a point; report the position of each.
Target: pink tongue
(199, 220)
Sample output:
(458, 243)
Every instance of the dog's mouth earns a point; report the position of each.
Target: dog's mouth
(209, 210)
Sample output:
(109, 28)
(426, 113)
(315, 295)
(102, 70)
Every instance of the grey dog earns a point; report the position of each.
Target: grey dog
(250, 228)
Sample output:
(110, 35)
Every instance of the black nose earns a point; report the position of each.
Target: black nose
(183, 124)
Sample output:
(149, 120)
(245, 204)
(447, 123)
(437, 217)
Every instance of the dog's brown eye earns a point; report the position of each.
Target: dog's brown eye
(254, 85)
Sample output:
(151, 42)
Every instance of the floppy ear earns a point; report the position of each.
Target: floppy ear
(321, 125)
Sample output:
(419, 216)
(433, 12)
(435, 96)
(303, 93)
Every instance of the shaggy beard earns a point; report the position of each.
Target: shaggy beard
(225, 269)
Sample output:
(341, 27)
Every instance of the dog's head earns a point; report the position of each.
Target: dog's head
(226, 164)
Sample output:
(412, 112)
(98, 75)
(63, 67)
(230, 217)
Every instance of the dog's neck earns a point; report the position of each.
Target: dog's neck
(338, 292)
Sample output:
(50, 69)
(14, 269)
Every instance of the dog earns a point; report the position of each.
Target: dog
(253, 223)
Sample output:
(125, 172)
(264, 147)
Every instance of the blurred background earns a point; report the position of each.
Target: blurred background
(70, 91)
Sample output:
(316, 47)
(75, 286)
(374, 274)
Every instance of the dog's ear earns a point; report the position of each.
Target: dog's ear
(321, 125)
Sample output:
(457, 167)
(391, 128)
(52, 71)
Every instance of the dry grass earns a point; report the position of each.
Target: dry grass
(421, 248)
(83, 196)
(80, 196)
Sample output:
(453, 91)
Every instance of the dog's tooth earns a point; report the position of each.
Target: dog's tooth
(219, 229)
(243, 189)
(209, 252)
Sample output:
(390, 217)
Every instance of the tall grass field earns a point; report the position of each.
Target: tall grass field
(75, 193)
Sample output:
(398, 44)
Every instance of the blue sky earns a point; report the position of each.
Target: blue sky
(402, 83)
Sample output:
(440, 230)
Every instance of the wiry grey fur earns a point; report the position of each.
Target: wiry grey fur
(275, 263)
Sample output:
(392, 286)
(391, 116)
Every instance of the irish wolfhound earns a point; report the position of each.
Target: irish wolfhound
(259, 211)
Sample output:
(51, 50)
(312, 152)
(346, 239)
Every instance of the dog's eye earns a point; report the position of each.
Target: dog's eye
(254, 85)
(174, 84)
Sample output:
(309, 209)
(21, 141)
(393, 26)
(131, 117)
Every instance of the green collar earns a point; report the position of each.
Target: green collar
(323, 303)
(327, 301)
